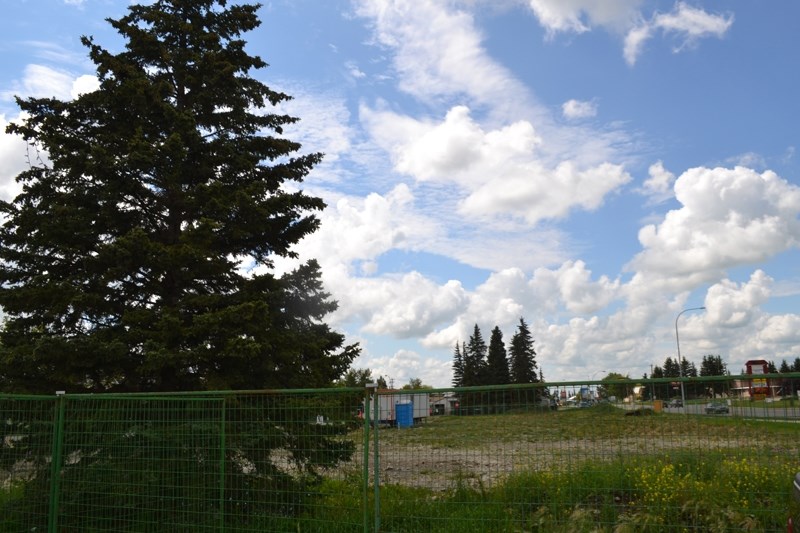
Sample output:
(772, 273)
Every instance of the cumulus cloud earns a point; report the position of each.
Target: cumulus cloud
(576, 109)
(13, 160)
(84, 84)
(499, 170)
(510, 294)
(733, 305)
(403, 365)
(408, 307)
(357, 229)
(782, 330)
(537, 193)
(579, 293)
(658, 187)
(728, 218)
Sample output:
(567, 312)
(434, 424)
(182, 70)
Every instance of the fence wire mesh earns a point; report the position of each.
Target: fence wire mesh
(712, 455)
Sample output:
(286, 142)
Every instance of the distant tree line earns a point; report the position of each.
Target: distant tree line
(713, 365)
(475, 363)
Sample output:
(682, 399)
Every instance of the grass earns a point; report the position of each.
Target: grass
(679, 493)
(590, 470)
(604, 422)
(571, 470)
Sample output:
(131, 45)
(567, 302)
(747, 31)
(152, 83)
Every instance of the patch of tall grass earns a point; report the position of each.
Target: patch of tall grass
(673, 492)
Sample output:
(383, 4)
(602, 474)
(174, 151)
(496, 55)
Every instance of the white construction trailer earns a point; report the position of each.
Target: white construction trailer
(388, 405)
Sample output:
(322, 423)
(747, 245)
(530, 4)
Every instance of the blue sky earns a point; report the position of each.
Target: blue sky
(595, 167)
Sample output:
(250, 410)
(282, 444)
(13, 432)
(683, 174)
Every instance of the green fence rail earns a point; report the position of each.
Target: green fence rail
(621, 456)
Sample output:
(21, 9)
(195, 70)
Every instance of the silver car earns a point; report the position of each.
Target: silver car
(717, 408)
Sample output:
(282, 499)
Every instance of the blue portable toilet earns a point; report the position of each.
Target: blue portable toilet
(404, 414)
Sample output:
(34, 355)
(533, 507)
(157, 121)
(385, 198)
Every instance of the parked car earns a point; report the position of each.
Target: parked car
(717, 408)
(675, 402)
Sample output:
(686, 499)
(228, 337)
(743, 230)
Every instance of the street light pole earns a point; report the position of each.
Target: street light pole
(680, 360)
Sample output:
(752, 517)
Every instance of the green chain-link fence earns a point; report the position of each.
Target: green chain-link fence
(598, 456)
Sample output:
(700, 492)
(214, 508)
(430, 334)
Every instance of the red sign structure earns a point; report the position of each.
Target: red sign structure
(759, 386)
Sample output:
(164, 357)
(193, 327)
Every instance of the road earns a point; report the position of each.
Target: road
(771, 413)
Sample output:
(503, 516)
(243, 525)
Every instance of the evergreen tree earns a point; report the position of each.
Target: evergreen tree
(785, 368)
(688, 368)
(671, 368)
(122, 265)
(523, 356)
(475, 359)
(497, 361)
(458, 367)
(121, 262)
(771, 368)
(713, 365)
(796, 365)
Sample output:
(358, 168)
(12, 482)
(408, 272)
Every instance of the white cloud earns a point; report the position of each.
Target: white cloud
(576, 109)
(40, 81)
(537, 193)
(354, 71)
(729, 217)
(658, 187)
(693, 23)
(13, 160)
(403, 365)
(634, 42)
(438, 52)
(782, 330)
(748, 159)
(409, 306)
(362, 229)
(509, 294)
(579, 293)
(84, 84)
(732, 305)
(580, 15)
(455, 148)
(324, 126)
(689, 24)
(500, 171)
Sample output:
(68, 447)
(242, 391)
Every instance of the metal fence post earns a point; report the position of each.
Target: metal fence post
(222, 469)
(376, 462)
(55, 463)
(368, 392)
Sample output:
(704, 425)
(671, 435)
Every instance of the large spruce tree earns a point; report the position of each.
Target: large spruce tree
(458, 367)
(122, 262)
(497, 360)
(522, 355)
(474, 355)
